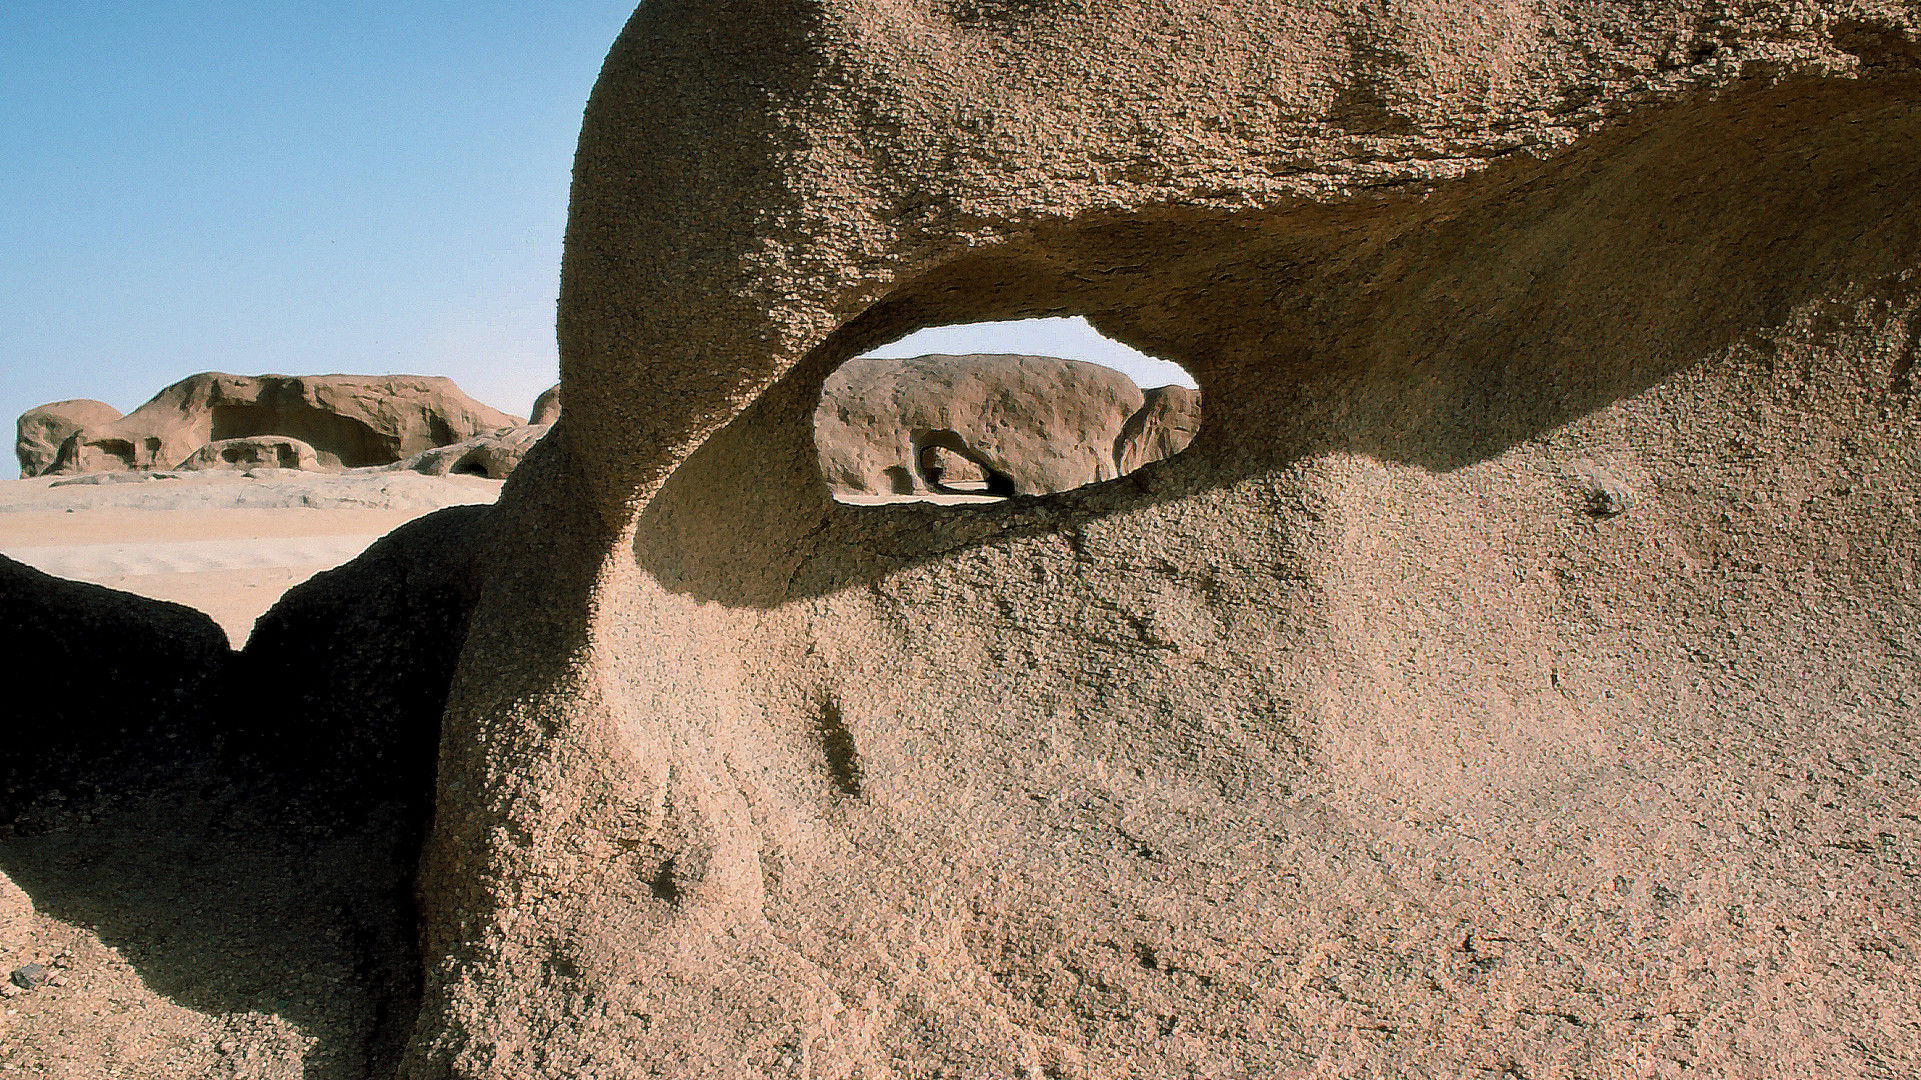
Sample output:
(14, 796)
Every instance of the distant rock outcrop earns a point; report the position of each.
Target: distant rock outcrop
(546, 406)
(41, 431)
(493, 455)
(1162, 428)
(1030, 424)
(254, 452)
(349, 420)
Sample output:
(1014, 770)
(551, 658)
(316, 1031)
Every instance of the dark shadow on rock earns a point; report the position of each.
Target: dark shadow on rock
(357, 661)
(123, 689)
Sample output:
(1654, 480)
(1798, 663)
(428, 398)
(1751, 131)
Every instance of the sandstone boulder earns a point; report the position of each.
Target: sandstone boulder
(493, 455)
(1358, 744)
(1028, 424)
(349, 420)
(253, 452)
(1163, 427)
(546, 406)
(44, 429)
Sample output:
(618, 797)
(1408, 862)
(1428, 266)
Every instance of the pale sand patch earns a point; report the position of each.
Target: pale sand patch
(956, 499)
(119, 525)
(227, 544)
(234, 598)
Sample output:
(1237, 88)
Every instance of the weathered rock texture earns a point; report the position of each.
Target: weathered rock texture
(1350, 741)
(349, 420)
(253, 452)
(41, 431)
(1030, 424)
(492, 455)
(217, 888)
(1163, 427)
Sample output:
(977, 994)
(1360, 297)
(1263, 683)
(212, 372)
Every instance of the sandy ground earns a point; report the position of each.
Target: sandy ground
(205, 930)
(227, 544)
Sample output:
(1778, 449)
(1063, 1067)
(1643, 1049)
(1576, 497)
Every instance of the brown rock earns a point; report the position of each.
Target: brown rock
(253, 452)
(357, 660)
(493, 455)
(349, 420)
(546, 407)
(1163, 427)
(43, 430)
(1029, 424)
(1352, 744)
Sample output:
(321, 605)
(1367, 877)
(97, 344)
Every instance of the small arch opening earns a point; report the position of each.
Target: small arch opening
(473, 463)
(984, 411)
(948, 466)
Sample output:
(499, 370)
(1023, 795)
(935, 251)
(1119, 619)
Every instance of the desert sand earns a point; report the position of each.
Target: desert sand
(227, 544)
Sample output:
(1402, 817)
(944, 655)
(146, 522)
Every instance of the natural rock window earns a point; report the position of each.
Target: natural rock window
(988, 410)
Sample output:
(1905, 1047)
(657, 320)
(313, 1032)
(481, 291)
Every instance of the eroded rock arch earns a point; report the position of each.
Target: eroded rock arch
(1351, 719)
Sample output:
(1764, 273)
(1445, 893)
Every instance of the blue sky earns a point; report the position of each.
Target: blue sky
(300, 188)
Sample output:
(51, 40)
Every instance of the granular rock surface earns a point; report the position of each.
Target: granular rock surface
(1351, 741)
(1516, 675)
(40, 431)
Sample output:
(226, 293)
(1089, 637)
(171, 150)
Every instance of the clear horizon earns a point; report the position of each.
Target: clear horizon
(309, 190)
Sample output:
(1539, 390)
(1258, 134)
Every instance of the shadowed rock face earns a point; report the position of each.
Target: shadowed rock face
(358, 659)
(112, 691)
(241, 832)
(42, 430)
(1515, 674)
(349, 420)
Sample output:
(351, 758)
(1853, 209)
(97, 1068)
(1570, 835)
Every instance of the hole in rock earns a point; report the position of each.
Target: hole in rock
(983, 411)
(663, 885)
(470, 465)
(837, 746)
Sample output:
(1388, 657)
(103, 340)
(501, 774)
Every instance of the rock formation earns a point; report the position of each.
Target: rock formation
(546, 407)
(349, 420)
(1363, 737)
(43, 430)
(1030, 424)
(492, 455)
(111, 688)
(1166, 423)
(211, 885)
(253, 452)
(358, 660)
